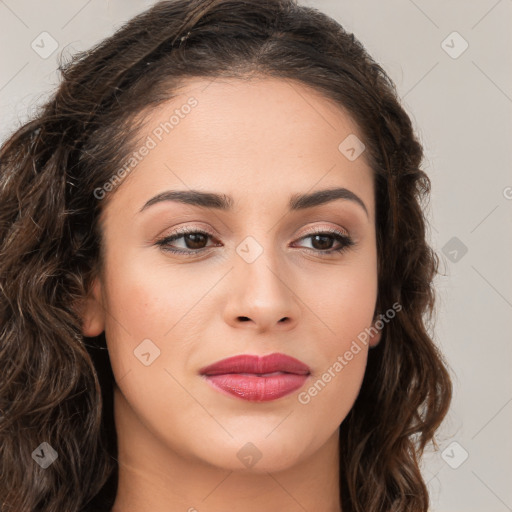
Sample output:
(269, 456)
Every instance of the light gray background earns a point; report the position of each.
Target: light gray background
(461, 108)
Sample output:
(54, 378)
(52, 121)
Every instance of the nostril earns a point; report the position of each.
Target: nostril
(243, 318)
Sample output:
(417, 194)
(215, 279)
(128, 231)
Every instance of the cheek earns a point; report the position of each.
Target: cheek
(344, 305)
(147, 300)
(335, 384)
(137, 311)
(144, 331)
(152, 310)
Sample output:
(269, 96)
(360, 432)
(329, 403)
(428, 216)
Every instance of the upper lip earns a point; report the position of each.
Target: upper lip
(247, 363)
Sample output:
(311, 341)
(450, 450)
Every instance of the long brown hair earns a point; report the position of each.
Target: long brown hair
(56, 384)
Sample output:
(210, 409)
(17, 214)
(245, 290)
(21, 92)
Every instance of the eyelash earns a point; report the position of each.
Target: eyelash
(341, 237)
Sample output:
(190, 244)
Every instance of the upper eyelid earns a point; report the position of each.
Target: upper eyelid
(198, 229)
(322, 229)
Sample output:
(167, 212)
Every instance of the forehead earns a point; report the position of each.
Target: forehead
(257, 103)
(247, 138)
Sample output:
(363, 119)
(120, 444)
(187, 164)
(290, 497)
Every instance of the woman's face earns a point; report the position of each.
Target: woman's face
(251, 278)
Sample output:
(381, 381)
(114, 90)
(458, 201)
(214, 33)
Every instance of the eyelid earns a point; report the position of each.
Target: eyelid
(183, 230)
(326, 229)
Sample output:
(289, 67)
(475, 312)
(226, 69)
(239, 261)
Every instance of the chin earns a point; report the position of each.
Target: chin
(262, 455)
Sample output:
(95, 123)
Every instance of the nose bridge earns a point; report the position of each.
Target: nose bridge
(257, 265)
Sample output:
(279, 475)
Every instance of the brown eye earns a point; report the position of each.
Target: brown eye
(194, 241)
(322, 242)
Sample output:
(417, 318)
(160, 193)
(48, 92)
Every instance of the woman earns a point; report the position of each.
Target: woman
(215, 275)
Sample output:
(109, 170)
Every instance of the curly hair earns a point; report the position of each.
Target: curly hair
(56, 384)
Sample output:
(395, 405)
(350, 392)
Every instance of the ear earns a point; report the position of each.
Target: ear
(375, 337)
(92, 311)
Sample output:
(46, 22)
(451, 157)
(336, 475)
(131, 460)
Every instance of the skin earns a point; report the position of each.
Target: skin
(259, 141)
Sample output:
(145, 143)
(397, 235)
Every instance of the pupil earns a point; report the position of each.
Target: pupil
(323, 238)
(195, 239)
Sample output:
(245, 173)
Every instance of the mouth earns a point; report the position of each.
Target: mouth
(257, 379)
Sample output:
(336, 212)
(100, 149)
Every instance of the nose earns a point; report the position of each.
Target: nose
(262, 296)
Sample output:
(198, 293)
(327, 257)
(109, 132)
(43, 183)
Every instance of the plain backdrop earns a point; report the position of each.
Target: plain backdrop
(451, 62)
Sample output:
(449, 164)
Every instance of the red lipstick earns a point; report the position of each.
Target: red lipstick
(257, 379)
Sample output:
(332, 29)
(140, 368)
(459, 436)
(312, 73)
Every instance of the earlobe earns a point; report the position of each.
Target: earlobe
(93, 312)
(375, 337)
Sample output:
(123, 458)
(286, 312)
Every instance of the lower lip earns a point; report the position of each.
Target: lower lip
(255, 388)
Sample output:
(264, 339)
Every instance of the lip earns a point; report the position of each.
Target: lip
(257, 378)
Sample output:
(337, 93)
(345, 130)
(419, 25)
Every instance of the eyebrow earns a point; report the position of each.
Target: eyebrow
(225, 203)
